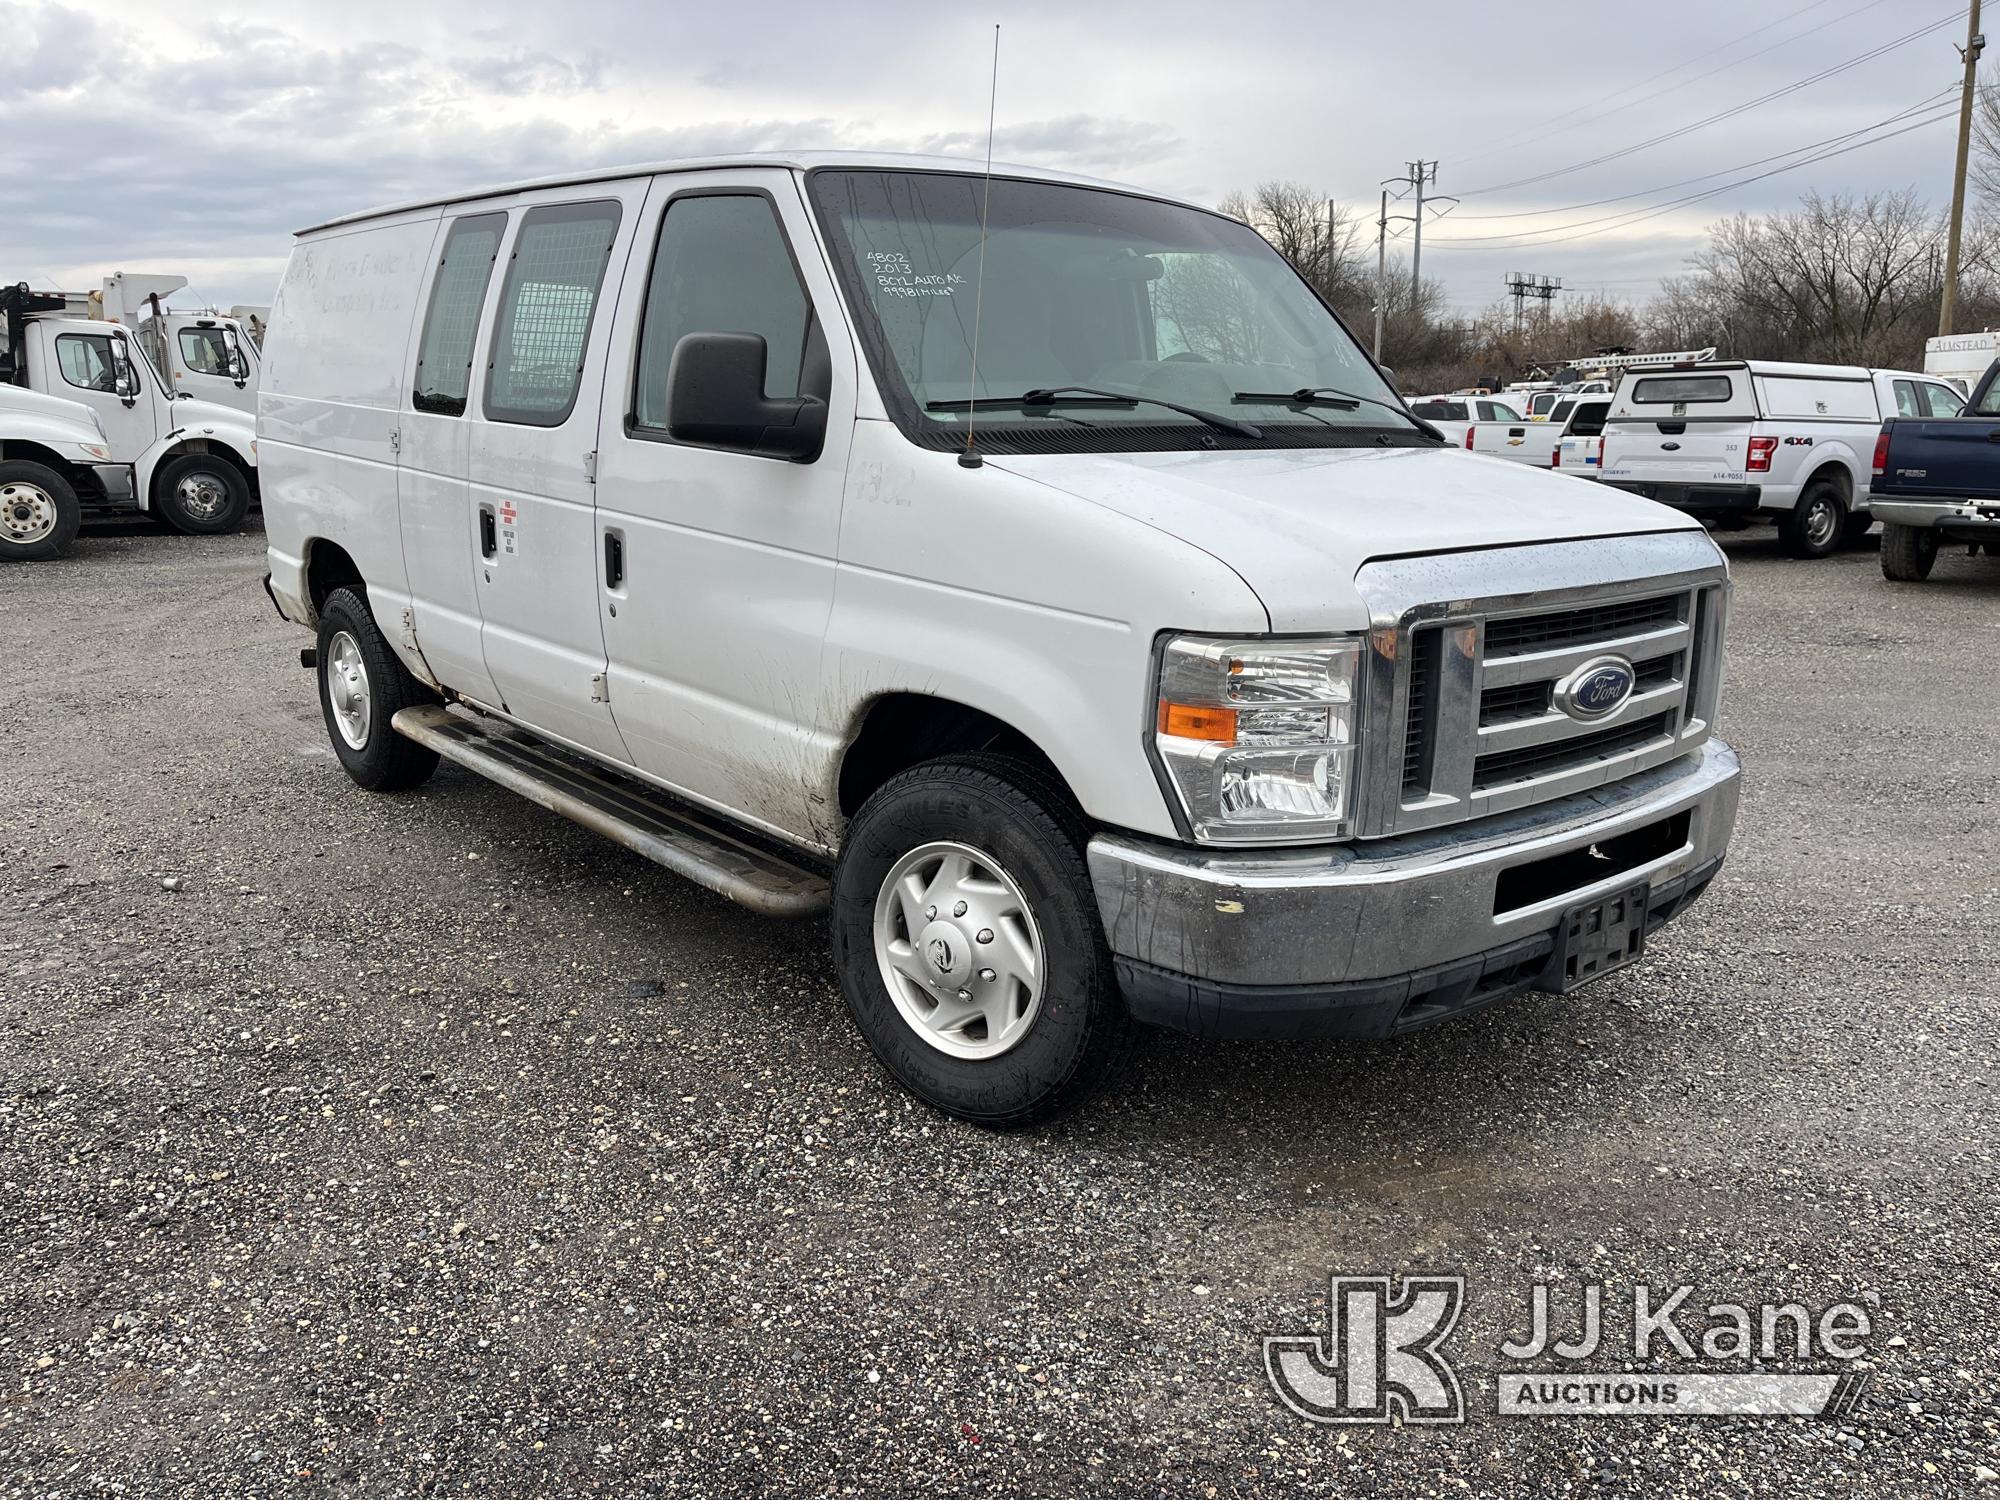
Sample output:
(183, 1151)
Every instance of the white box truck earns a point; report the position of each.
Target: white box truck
(1155, 665)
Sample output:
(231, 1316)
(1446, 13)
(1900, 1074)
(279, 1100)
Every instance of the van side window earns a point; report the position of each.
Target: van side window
(721, 266)
(451, 323)
(86, 361)
(535, 361)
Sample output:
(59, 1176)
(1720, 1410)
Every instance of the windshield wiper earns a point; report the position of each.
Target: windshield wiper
(1324, 395)
(1093, 396)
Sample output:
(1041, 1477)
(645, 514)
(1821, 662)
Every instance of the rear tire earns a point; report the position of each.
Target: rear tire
(362, 686)
(1006, 1013)
(1812, 528)
(1908, 552)
(39, 512)
(202, 494)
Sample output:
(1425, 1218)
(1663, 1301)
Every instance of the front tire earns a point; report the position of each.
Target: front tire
(1908, 552)
(1812, 528)
(202, 494)
(39, 512)
(362, 686)
(968, 944)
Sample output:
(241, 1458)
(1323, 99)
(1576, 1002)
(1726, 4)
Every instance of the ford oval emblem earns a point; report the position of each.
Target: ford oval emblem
(1671, 447)
(1597, 689)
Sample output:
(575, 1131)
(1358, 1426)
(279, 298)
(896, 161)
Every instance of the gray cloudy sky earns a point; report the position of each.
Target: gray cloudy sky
(143, 136)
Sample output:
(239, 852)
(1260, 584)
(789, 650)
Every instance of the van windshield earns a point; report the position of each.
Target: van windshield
(1092, 288)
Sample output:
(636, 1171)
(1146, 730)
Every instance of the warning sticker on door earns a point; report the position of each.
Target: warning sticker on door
(509, 545)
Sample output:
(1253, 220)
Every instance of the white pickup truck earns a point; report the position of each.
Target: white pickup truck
(1733, 441)
(1155, 665)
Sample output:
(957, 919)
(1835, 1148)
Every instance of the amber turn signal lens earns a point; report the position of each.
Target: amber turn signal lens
(1188, 722)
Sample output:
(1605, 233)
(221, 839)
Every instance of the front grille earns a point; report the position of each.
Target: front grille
(1469, 692)
(1424, 648)
(1527, 700)
(1577, 627)
(1509, 766)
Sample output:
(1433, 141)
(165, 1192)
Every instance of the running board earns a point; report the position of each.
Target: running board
(628, 812)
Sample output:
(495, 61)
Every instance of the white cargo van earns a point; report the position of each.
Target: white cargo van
(1735, 441)
(1156, 665)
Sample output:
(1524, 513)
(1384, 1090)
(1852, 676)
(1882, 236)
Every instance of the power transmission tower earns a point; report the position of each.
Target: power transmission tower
(1522, 285)
(1417, 175)
(1974, 45)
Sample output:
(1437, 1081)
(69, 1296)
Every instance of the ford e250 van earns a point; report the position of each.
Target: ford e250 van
(1155, 666)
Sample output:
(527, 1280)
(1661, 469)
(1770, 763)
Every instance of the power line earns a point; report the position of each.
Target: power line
(1928, 101)
(1528, 237)
(1596, 110)
(1791, 88)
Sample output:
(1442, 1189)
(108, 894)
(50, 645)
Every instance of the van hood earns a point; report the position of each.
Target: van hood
(1297, 524)
(51, 408)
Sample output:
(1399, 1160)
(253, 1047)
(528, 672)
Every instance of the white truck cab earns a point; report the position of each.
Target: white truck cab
(1737, 440)
(189, 461)
(1153, 664)
(204, 354)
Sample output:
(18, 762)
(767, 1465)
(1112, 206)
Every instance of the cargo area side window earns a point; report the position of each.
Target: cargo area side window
(451, 322)
(721, 266)
(535, 361)
(86, 361)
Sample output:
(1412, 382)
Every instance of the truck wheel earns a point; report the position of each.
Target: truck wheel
(39, 512)
(201, 494)
(362, 686)
(1812, 527)
(968, 944)
(1908, 552)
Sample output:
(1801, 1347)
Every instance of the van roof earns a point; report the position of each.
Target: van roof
(800, 161)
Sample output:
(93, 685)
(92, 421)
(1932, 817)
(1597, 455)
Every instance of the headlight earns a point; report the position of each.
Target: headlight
(1257, 736)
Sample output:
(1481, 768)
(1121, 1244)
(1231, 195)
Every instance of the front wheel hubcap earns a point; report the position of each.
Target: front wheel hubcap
(347, 690)
(27, 513)
(1821, 521)
(959, 950)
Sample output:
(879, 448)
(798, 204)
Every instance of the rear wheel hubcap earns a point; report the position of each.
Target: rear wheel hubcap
(347, 691)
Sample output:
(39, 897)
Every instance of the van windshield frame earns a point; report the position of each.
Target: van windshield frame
(1073, 297)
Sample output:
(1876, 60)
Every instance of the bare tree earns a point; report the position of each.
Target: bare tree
(1328, 242)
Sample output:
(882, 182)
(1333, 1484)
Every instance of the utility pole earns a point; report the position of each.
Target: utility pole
(1974, 44)
(1420, 173)
(1522, 285)
(1381, 270)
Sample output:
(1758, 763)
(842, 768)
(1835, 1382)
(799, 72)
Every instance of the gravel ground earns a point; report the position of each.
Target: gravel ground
(428, 1144)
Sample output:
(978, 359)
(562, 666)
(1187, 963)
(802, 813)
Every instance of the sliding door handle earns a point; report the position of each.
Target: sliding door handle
(614, 561)
(489, 533)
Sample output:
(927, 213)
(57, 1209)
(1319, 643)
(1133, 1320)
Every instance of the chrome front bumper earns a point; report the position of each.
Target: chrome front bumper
(1365, 938)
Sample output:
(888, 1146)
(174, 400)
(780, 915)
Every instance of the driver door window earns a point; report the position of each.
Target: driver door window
(204, 352)
(86, 362)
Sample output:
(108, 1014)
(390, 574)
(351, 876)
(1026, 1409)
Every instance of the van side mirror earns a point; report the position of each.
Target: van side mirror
(715, 395)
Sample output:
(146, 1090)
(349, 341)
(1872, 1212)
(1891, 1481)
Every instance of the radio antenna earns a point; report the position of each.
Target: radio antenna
(971, 458)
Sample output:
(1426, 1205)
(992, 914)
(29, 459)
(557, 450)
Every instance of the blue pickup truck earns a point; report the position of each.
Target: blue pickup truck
(1937, 480)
